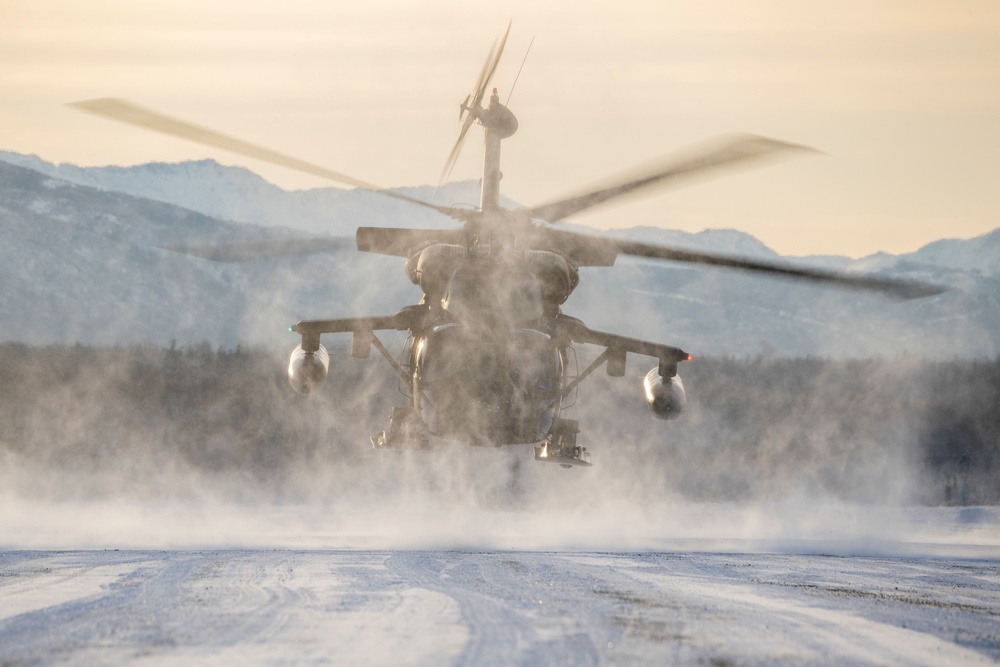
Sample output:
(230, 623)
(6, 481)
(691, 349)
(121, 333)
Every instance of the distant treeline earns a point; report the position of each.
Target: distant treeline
(876, 430)
(880, 430)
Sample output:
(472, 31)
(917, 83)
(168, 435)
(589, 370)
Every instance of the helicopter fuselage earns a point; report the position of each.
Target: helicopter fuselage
(489, 357)
(488, 363)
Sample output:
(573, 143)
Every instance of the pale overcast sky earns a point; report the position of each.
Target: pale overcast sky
(902, 95)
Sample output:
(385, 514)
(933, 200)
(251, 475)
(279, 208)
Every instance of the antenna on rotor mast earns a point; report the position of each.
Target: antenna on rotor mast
(524, 60)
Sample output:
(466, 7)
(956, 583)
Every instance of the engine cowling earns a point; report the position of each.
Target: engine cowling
(665, 396)
(308, 370)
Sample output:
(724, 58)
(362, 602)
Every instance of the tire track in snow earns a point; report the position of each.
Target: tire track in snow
(35, 581)
(233, 607)
(519, 609)
(498, 608)
(794, 608)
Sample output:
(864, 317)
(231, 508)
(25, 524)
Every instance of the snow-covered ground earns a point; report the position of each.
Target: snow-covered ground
(236, 607)
(340, 585)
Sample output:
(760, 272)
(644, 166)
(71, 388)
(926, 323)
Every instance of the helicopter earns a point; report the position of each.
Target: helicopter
(490, 357)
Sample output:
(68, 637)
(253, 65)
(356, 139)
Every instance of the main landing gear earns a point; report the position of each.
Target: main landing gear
(560, 447)
(406, 431)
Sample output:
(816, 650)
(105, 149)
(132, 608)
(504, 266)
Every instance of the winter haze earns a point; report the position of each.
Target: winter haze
(828, 497)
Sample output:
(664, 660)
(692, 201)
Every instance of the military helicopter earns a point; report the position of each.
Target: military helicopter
(489, 359)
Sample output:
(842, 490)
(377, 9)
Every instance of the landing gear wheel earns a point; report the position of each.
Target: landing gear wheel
(560, 447)
(406, 431)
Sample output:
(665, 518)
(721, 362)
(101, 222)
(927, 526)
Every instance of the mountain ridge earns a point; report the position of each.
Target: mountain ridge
(86, 265)
(238, 194)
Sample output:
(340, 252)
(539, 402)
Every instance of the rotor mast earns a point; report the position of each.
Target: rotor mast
(499, 123)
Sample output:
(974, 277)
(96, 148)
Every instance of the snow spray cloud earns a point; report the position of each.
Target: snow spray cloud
(197, 446)
(143, 447)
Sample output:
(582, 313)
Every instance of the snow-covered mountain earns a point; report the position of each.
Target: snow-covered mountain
(981, 254)
(83, 263)
(238, 194)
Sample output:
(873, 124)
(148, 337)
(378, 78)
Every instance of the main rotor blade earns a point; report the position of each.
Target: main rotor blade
(133, 114)
(900, 289)
(379, 240)
(601, 251)
(741, 150)
(272, 249)
(128, 112)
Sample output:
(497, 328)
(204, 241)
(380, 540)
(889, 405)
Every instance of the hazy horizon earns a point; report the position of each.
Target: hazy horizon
(903, 97)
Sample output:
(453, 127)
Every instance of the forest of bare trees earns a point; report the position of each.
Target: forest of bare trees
(880, 430)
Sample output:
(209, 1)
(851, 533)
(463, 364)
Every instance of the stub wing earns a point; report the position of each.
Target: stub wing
(364, 329)
(617, 347)
(405, 319)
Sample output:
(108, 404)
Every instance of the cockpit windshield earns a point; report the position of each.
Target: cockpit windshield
(476, 293)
